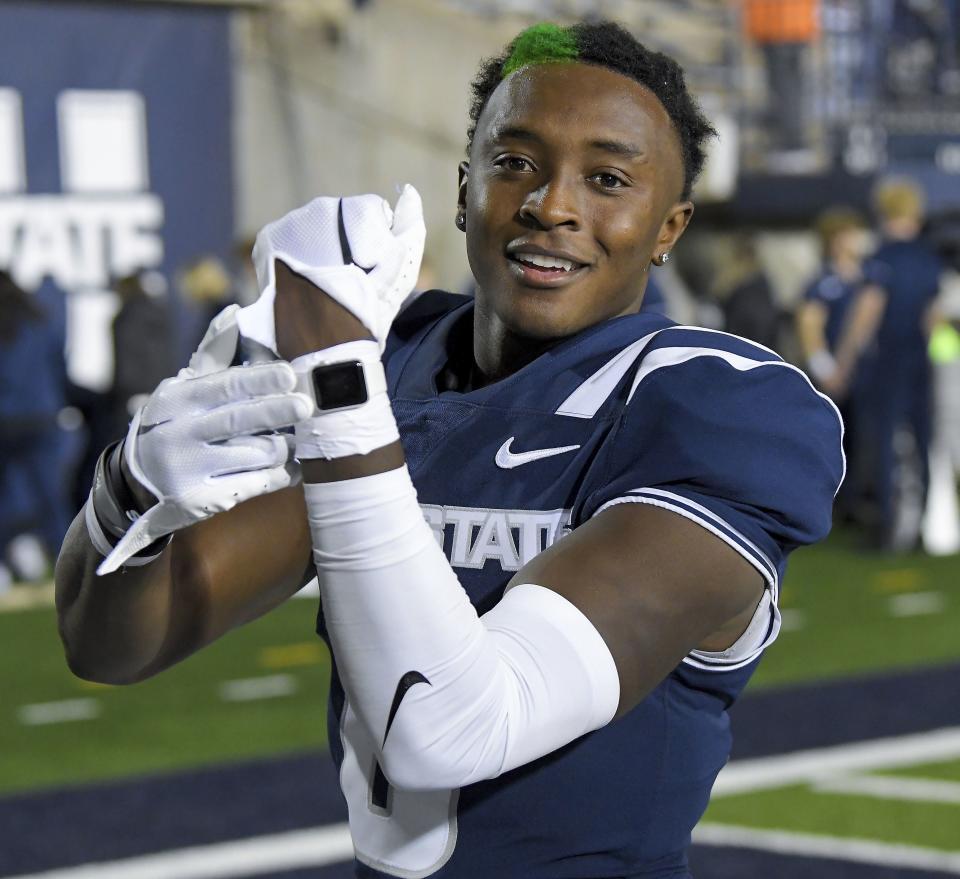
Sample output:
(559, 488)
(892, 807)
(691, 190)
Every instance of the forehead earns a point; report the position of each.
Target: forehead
(581, 101)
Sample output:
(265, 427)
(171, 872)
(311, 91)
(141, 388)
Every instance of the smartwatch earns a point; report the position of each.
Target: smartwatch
(339, 385)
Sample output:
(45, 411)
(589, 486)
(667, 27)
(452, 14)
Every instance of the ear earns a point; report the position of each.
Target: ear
(673, 226)
(463, 172)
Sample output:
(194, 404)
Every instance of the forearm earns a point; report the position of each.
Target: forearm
(214, 576)
(112, 627)
(867, 312)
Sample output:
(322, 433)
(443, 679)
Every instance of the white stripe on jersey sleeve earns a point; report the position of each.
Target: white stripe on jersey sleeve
(749, 646)
(587, 399)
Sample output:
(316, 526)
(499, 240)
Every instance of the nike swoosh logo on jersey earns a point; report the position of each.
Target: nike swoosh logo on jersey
(508, 460)
(380, 788)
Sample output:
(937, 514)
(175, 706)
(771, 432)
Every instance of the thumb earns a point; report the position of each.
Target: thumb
(219, 343)
(408, 214)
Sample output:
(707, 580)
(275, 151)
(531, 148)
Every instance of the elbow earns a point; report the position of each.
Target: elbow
(421, 770)
(88, 669)
(95, 659)
(441, 759)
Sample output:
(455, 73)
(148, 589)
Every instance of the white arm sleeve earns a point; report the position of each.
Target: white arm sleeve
(451, 698)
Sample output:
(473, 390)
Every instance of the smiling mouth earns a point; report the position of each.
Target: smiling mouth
(541, 270)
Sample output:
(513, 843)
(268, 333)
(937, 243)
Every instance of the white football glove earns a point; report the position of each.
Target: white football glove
(195, 444)
(357, 250)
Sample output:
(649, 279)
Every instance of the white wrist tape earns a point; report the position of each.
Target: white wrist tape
(357, 430)
(449, 697)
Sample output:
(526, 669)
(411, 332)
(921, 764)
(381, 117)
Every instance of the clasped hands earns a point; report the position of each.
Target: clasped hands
(210, 438)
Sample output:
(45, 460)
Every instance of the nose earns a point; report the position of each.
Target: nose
(554, 203)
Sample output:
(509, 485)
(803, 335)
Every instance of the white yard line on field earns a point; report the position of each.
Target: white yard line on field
(804, 767)
(921, 790)
(297, 849)
(43, 713)
(915, 604)
(863, 851)
(251, 689)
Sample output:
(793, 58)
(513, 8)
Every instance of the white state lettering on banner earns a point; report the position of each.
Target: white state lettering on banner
(510, 537)
(8, 227)
(44, 248)
(132, 246)
(79, 241)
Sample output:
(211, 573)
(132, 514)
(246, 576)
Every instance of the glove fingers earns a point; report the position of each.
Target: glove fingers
(238, 383)
(250, 416)
(236, 488)
(248, 453)
(366, 221)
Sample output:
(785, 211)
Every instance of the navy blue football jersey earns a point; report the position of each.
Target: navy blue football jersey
(633, 410)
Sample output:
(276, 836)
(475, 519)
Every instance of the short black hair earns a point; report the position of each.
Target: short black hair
(605, 44)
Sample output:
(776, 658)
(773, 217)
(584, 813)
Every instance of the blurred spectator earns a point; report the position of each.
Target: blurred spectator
(921, 51)
(823, 312)
(886, 341)
(784, 31)
(822, 316)
(206, 284)
(33, 504)
(143, 353)
(746, 296)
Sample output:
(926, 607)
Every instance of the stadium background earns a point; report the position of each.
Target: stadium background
(187, 126)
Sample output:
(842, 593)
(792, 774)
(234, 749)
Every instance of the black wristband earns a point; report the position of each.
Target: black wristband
(114, 504)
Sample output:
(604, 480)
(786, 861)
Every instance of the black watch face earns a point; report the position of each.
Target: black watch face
(339, 385)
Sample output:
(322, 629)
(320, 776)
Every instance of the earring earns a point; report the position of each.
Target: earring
(664, 257)
(461, 220)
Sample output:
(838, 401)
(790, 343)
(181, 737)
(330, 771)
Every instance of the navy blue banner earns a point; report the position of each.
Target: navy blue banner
(115, 152)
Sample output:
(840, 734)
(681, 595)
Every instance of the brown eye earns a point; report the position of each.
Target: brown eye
(514, 163)
(606, 180)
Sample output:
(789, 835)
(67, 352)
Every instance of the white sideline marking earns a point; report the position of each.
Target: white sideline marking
(923, 790)
(915, 604)
(42, 713)
(801, 767)
(250, 689)
(863, 851)
(248, 857)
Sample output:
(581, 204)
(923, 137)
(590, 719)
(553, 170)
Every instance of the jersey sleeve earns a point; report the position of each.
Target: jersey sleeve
(735, 440)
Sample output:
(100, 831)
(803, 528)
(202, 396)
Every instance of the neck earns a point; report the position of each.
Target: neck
(846, 266)
(901, 228)
(498, 352)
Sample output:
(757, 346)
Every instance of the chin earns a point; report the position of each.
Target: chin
(542, 321)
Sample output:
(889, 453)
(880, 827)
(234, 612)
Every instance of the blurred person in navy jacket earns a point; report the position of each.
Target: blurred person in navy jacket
(822, 317)
(884, 345)
(33, 502)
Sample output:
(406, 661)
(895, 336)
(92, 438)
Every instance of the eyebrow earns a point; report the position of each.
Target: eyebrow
(619, 148)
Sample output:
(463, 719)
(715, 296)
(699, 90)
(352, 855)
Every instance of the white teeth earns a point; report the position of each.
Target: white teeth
(545, 262)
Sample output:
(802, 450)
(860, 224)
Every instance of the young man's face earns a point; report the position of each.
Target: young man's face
(572, 188)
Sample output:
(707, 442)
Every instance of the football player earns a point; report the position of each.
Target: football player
(549, 530)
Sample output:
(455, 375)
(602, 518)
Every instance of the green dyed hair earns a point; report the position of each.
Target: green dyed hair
(541, 44)
(603, 44)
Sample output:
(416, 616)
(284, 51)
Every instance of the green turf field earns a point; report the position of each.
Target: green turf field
(175, 720)
(846, 613)
(858, 613)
